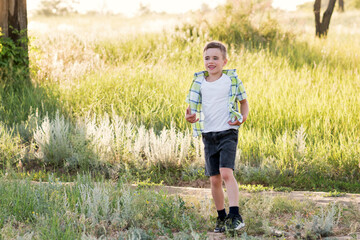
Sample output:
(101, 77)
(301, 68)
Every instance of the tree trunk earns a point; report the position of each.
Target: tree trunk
(13, 23)
(341, 6)
(4, 17)
(322, 27)
(13, 19)
(317, 8)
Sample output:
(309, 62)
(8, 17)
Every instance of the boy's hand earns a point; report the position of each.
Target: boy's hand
(191, 118)
(237, 122)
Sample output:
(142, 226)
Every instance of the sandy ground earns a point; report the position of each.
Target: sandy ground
(318, 197)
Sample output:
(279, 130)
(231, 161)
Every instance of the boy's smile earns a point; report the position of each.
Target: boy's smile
(214, 62)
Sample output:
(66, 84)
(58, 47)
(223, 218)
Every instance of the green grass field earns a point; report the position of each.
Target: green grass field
(106, 96)
(303, 95)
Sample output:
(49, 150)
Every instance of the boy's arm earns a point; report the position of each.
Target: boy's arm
(244, 109)
(191, 118)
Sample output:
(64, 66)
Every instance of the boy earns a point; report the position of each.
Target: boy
(213, 111)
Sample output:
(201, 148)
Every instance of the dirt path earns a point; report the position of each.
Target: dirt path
(318, 197)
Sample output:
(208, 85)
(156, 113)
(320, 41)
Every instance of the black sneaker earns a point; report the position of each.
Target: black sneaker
(234, 222)
(220, 225)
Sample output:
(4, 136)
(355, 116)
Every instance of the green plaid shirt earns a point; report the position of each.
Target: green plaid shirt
(236, 93)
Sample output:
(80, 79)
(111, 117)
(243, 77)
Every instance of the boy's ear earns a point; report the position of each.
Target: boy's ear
(225, 61)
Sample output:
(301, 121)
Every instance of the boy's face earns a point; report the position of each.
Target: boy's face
(214, 61)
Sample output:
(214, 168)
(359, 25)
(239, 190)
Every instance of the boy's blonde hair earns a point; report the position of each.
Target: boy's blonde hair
(216, 44)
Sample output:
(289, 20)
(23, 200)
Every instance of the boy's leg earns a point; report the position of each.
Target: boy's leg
(232, 188)
(218, 196)
(234, 219)
(217, 191)
(212, 170)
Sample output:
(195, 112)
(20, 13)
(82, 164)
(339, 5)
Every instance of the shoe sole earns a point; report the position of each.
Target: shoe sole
(219, 231)
(240, 226)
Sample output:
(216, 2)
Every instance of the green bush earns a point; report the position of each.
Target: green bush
(234, 25)
(14, 62)
(357, 4)
(10, 147)
(63, 145)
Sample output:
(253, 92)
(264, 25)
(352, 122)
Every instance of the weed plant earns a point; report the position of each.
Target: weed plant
(54, 210)
(107, 145)
(10, 148)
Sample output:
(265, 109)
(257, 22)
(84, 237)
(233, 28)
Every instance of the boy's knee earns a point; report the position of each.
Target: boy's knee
(226, 174)
(216, 180)
(226, 177)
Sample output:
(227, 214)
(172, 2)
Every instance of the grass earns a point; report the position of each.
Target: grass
(260, 188)
(97, 208)
(335, 194)
(55, 210)
(112, 104)
(303, 121)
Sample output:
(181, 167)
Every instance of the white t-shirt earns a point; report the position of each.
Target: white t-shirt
(215, 104)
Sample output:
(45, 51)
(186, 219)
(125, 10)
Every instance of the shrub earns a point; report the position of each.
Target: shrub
(63, 145)
(10, 147)
(322, 225)
(14, 61)
(234, 24)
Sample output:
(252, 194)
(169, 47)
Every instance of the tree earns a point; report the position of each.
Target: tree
(144, 10)
(322, 27)
(14, 60)
(341, 6)
(13, 19)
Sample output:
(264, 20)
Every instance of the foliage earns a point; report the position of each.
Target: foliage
(356, 4)
(18, 95)
(103, 209)
(57, 7)
(10, 148)
(234, 25)
(254, 188)
(66, 146)
(322, 225)
(93, 142)
(260, 188)
(14, 62)
(335, 194)
(349, 5)
(115, 147)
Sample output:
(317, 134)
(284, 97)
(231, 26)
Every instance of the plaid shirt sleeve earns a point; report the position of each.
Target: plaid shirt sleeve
(240, 94)
(194, 100)
(237, 93)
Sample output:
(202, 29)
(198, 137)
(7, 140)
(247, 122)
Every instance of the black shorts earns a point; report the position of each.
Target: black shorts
(220, 150)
